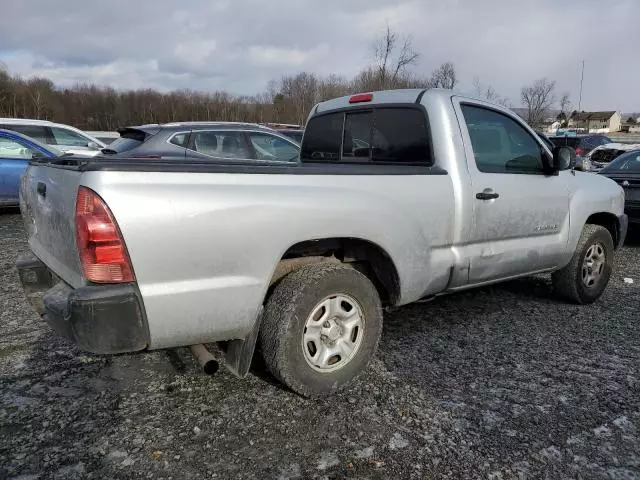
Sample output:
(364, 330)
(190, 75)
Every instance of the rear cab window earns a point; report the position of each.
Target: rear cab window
(391, 135)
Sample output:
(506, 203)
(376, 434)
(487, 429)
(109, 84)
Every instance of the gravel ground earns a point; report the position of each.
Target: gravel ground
(499, 383)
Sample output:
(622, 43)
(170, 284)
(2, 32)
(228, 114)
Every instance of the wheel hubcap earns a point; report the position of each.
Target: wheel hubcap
(333, 333)
(593, 265)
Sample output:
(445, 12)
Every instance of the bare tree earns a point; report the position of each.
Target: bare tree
(565, 109)
(488, 93)
(444, 76)
(300, 93)
(538, 98)
(392, 56)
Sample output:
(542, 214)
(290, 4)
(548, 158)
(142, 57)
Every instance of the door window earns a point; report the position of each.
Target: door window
(221, 144)
(69, 138)
(33, 131)
(500, 144)
(270, 147)
(10, 149)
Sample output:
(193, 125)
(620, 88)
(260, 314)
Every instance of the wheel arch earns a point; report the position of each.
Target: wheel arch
(610, 222)
(364, 255)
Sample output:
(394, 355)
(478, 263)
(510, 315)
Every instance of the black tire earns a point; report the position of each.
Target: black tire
(285, 315)
(568, 282)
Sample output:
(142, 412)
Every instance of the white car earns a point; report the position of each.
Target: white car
(600, 157)
(64, 137)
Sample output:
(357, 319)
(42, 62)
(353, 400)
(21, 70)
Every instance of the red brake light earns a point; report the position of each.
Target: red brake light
(580, 151)
(361, 97)
(102, 251)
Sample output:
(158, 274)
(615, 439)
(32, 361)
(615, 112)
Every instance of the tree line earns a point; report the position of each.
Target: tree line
(286, 100)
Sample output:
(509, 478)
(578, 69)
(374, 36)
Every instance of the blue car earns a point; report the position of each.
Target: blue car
(15, 152)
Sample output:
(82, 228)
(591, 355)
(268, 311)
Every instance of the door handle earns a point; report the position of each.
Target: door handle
(41, 188)
(487, 194)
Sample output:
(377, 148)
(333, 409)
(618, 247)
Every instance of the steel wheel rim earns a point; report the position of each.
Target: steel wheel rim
(333, 333)
(593, 265)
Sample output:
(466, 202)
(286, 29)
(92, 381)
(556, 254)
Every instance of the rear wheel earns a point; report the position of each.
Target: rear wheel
(584, 279)
(320, 328)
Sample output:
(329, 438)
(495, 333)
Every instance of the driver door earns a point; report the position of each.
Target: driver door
(520, 215)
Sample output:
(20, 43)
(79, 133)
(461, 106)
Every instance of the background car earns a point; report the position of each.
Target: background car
(204, 141)
(602, 156)
(60, 136)
(625, 170)
(582, 144)
(15, 152)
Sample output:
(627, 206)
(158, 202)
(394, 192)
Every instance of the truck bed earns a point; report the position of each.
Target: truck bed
(204, 238)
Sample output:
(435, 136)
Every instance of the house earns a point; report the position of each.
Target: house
(596, 122)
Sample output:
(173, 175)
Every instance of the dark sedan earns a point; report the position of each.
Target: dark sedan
(625, 170)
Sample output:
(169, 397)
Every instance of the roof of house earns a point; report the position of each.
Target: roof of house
(584, 116)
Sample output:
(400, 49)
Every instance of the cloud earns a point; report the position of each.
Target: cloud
(239, 46)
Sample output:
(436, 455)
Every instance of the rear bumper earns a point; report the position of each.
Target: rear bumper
(99, 319)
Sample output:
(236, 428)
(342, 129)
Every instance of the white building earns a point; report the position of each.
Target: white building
(596, 122)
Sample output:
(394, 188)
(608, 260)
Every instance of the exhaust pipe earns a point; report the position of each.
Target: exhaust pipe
(207, 361)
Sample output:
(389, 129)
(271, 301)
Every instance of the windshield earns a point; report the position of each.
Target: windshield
(628, 162)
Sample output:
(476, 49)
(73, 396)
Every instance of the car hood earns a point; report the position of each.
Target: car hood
(615, 146)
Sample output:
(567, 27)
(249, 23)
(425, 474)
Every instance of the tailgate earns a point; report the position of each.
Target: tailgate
(47, 202)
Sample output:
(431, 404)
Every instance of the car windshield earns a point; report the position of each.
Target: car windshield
(628, 162)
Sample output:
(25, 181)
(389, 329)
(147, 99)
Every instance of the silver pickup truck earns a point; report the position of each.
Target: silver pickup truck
(398, 196)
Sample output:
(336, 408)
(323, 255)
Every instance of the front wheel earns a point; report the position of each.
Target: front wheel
(320, 328)
(584, 279)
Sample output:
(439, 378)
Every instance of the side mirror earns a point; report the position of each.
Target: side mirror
(563, 158)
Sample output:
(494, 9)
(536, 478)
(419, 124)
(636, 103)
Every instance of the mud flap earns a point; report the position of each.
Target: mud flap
(239, 353)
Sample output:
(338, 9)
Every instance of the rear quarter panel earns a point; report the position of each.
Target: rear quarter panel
(204, 246)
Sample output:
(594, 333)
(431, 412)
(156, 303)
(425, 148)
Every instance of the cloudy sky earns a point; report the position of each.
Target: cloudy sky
(240, 45)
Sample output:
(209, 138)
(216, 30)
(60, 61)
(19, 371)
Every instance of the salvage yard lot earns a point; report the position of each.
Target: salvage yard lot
(502, 382)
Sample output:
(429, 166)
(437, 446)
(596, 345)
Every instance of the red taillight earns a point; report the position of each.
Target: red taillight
(102, 251)
(361, 97)
(580, 151)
